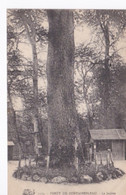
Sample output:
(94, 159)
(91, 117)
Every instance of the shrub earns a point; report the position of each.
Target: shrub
(60, 155)
(86, 172)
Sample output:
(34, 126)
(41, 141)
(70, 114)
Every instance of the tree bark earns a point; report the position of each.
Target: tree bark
(60, 77)
(87, 106)
(31, 33)
(104, 25)
(106, 75)
(35, 95)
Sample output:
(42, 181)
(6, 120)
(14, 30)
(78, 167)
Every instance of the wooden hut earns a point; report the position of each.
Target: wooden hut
(113, 139)
(10, 150)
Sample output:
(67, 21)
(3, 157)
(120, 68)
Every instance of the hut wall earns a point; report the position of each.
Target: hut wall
(10, 152)
(15, 152)
(118, 149)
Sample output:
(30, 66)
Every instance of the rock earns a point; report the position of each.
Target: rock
(114, 175)
(86, 179)
(121, 171)
(18, 174)
(59, 179)
(36, 177)
(109, 176)
(24, 176)
(118, 172)
(43, 180)
(74, 179)
(99, 176)
(105, 174)
(29, 178)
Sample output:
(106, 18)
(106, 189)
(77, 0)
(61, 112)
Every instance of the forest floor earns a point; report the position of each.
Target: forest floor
(111, 187)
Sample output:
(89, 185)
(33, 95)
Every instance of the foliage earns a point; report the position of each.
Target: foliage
(61, 154)
(20, 76)
(69, 174)
(100, 86)
(99, 77)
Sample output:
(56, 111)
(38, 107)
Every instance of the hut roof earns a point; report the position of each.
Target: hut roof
(108, 134)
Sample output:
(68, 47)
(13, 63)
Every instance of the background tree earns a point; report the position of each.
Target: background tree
(86, 61)
(109, 25)
(27, 81)
(14, 61)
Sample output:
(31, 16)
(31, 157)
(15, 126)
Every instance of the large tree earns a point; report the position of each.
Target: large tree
(30, 29)
(109, 26)
(63, 128)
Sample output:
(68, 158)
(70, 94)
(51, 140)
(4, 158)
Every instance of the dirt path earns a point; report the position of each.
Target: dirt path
(112, 187)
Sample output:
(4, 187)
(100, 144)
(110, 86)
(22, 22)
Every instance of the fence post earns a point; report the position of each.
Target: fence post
(100, 158)
(111, 158)
(95, 155)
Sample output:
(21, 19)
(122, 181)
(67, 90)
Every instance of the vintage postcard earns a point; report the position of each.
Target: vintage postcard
(66, 96)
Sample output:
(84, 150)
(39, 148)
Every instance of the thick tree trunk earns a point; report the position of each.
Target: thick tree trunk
(104, 24)
(35, 94)
(107, 75)
(63, 126)
(87, 106)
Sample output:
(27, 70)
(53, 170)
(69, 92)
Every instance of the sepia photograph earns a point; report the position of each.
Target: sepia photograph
(66, 101)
